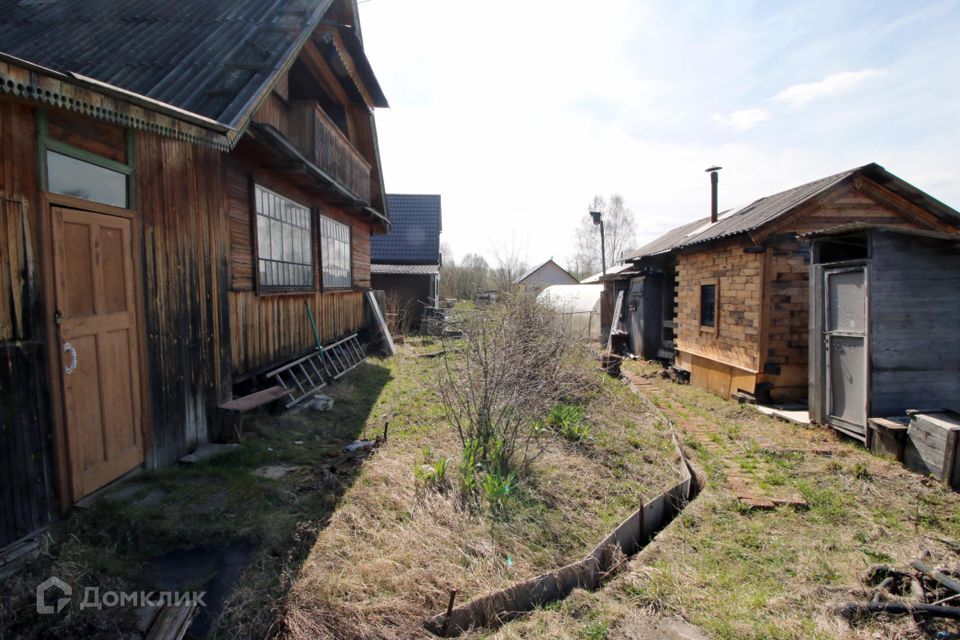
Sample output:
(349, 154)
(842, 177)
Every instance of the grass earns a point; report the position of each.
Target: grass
(391, 553)
(218, 501)
(369, 552)
(743, 574)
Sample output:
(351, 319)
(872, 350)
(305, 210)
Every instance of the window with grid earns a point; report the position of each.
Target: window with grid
(335, 254)
(284, 253)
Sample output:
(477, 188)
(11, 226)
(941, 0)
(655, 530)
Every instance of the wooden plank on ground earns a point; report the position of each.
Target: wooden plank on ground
(254, 400)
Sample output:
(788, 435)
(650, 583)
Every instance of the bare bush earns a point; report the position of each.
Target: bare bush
(518, 359)
(399, 314)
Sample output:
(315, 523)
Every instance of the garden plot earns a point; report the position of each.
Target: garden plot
(407, 532)
(739, 570)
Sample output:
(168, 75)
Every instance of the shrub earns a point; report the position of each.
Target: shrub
(516, 361)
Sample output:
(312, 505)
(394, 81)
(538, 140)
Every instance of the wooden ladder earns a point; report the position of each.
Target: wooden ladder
(307, 375)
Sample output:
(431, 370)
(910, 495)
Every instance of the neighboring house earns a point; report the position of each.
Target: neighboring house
(176, 181)
(729, 298)
(406, 263)
(542, 276)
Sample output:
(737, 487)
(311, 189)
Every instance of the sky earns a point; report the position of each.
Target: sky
(519, 111)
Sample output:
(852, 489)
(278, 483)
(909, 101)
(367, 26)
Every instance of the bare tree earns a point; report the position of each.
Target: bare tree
(465, 279)
(509, 263)
(619, 228)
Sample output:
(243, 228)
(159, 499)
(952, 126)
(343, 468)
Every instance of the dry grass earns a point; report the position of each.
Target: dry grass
(767, 574)
(391, 552)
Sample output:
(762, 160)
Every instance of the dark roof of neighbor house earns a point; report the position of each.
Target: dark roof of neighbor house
(213, 58)
(532, 271)
(760, 212)
(414, 238)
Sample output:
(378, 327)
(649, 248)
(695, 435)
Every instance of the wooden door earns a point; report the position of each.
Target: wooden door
(100, 363)
(845, 346)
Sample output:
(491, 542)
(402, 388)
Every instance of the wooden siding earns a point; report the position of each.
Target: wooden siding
(26, 471)
(268, 328)
(182, 204)
(914, 298)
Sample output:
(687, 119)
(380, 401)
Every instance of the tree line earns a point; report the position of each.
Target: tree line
(465, 278)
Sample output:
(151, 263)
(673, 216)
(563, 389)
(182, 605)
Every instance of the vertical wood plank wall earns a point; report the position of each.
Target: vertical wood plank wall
(180, 197)
(266, 329)
(26, 474)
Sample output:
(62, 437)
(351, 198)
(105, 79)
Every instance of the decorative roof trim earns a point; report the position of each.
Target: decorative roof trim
(329, 35)
(103, 101)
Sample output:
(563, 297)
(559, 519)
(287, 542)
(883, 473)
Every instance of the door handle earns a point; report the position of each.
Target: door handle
(70, 368)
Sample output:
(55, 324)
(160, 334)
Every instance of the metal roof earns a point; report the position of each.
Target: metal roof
(414, 238)
(214, 58)
(406, 269)
(767, 209)
(859, 227)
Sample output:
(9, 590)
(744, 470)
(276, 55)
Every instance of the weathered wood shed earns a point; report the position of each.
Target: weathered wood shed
(739, 283)
(884, 324)
(167, 205)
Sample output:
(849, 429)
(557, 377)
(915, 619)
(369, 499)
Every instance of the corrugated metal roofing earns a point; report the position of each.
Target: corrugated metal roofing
(414, 237)
(735, 221)
(765, 210)
(406, 269)
(209, 57)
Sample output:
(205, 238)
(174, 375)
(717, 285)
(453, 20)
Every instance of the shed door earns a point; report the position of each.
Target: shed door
(845, 328)
(96, 313)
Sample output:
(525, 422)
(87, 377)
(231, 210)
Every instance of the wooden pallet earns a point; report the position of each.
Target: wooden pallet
(305, 376)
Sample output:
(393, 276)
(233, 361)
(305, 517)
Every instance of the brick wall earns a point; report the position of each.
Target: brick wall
(786, 307)
(737, 339)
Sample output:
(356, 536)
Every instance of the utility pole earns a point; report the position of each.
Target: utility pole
(598, 219)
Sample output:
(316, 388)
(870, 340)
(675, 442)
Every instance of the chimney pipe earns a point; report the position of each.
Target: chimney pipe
(714, 178)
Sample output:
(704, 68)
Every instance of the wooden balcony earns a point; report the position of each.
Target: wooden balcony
(322, 142)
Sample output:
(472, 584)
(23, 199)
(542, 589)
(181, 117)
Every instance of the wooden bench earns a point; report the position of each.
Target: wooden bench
(234, 409)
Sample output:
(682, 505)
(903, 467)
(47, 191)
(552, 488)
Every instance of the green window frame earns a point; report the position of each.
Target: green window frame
(63, 151)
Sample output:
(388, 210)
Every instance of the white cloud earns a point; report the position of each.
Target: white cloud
(799, 95)
(741, 120)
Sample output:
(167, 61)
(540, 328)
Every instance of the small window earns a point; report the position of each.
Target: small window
(708, 306)
(284, 248)
(74, 177)
(335, 254)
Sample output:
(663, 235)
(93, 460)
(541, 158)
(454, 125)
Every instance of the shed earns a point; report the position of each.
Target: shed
(732, 289)
(884, 321)
(578, 303)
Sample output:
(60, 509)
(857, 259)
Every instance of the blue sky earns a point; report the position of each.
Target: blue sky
(518, 112)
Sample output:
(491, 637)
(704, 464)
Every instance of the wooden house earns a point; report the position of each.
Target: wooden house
(176, 180)
(544, 275)
(405, 264)
(727, 296)
(884, 324)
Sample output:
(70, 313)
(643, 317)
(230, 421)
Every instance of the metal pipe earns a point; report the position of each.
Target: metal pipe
(603, 251)
(714, 180)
